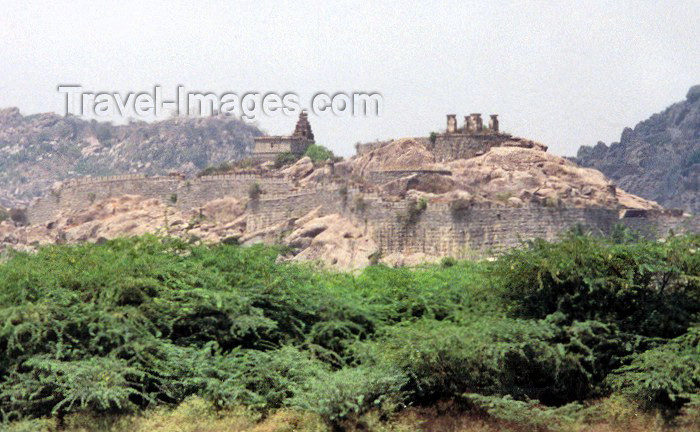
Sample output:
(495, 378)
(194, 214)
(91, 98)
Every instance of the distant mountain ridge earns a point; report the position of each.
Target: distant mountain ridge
(38, 150)
(659, 159)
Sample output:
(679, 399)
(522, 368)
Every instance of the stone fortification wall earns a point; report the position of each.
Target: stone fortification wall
(442, 231)
(660, 223)
(451, 146)
(438, 229)
(184, 194)
(272, 210)
(80, 193)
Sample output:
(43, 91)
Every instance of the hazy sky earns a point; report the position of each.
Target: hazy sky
(563, 73)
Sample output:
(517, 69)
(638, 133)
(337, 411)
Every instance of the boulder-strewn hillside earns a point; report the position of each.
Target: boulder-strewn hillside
(507, 176)
(37, 150)
(332, 238)
(514, 175)
(659, 159)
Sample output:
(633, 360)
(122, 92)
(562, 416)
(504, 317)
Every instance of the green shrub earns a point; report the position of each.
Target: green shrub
(413, 211)
(139, 301)
(4, 214)
(552, 202)
(530, 414)
(245, 163)
(254, 191)
(664, 378)
(284, 159)
(622, 234)
(19, 216)
(319, 153)
(645, 287)
(350, 392)
(256, 379)
(457, 293)
(492, 357)
(448, 262)
(42, 384)
(375, 257)
(222, 168)
(504, 196)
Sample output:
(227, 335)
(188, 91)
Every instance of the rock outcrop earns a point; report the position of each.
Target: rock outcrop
(516, 176)
(659, 159)
(510, 175)
(333, 240)
(329, 239)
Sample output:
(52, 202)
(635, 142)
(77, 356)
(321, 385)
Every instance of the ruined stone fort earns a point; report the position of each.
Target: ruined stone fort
(442, 228)
(269, 147)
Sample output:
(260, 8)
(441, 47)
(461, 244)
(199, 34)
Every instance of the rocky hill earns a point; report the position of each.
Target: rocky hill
(519, 173)
(659, 159)
(331, 239)
(38, 150)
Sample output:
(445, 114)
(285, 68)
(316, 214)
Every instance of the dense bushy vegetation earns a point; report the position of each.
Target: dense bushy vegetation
(316, 152)
(534, 336)
(222, 168)
(319, 153)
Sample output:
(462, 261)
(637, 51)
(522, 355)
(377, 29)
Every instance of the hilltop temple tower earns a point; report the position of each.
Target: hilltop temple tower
(269, 147)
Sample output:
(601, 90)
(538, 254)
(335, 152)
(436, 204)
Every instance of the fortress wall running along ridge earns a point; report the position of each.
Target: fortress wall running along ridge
(183, 194)
(438, 229)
